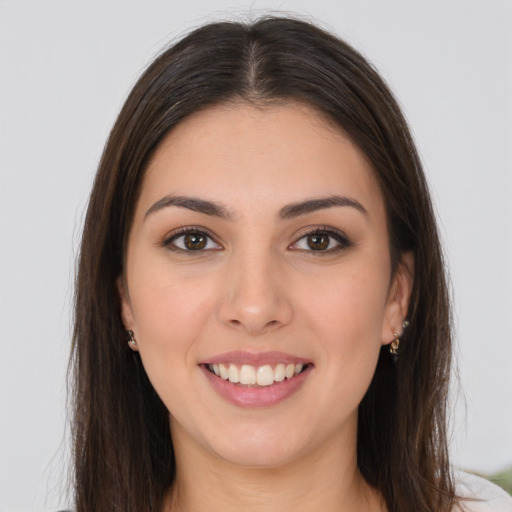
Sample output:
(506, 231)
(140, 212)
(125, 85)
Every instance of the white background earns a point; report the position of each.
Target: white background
(65, 69)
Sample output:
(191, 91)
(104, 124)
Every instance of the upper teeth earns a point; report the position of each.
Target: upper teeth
(262, 375)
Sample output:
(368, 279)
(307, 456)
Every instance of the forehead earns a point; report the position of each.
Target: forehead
(238, 154)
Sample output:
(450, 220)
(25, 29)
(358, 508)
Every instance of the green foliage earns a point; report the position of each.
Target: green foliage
(503, 479)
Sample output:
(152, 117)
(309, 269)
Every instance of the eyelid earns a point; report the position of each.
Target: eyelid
(167, 242)
(342, 239)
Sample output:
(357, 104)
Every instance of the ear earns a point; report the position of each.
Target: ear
(126, 307)
(398, 299)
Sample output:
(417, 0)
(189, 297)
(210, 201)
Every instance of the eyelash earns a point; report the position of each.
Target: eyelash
(342, 241)
(169, 241)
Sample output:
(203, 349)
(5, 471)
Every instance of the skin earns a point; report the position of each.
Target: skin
(257, 286)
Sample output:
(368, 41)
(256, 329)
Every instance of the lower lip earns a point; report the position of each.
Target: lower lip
(257, 396)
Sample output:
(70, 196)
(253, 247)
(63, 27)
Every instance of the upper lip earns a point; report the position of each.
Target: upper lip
(255, 358)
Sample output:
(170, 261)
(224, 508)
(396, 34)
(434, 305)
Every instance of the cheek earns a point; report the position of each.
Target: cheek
(170, 312)
(345, 315)
(348, 305)
(169, 318)
(169, 304)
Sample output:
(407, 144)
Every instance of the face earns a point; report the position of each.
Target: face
(258, 283)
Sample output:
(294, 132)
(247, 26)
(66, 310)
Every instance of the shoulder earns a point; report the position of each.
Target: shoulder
(480, 495)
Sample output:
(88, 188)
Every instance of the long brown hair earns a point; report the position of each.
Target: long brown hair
(123, 452)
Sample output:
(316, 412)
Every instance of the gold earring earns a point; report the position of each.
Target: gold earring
(131, 341)
(393, 347)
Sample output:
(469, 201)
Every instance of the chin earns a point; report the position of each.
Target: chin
(258, 448)
(257, 457)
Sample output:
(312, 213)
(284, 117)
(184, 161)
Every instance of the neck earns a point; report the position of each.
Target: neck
(327, 479)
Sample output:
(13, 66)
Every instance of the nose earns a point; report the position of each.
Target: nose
(255, 298)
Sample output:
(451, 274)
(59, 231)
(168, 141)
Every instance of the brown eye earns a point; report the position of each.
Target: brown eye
(322, 241)
(318, 242)
(191, 240)
(195, 241)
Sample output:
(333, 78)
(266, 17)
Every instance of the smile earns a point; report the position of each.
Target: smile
(248, 375)
(263, 379)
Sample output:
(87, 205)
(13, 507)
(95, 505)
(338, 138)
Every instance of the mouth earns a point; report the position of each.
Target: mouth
(247, 375)
(256, 380)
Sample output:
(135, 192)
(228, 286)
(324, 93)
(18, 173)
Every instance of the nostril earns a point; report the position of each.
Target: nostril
(239, 323)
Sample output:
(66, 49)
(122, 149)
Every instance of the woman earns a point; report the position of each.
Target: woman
(262, 317)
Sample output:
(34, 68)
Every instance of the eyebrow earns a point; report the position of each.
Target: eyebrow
(290, 211)
(191, 203)
(311, 205)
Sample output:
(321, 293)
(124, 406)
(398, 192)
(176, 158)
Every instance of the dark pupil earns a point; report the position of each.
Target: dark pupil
(195, 241)
(318, 242)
